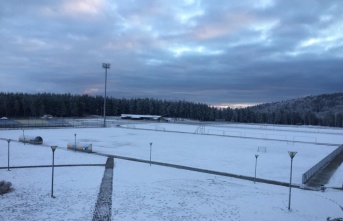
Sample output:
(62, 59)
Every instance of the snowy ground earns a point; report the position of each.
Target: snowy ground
(143, 192)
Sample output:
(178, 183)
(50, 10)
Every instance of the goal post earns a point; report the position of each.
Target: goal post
(262, 149)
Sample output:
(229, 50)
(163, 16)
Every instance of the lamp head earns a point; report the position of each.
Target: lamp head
(292, 154)
(106, 65)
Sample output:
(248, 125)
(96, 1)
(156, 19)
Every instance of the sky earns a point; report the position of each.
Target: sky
(222, 53)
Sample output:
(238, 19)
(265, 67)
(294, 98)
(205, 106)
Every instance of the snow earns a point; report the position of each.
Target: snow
(337, 178)
(143, 192)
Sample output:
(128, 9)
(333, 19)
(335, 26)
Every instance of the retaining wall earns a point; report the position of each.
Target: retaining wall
(321, 164)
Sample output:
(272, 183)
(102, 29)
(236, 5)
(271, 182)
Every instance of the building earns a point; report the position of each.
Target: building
(143, 117)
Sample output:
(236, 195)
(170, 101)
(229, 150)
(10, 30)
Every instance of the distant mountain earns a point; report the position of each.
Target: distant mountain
(325, 109)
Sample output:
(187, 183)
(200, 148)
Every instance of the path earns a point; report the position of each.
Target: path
(103, 207)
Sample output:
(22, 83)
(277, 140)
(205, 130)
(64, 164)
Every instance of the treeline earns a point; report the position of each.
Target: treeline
(67, 105)
(325, 110)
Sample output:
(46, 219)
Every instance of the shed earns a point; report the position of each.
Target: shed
(80, 147)
(142, 117)
(31, 139)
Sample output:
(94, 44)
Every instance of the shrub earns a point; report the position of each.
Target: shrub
(5, 187)
(335, 219)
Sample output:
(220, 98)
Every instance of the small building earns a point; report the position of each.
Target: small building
(31, 139)
(80, 147)
(47, 116)
(142, 117)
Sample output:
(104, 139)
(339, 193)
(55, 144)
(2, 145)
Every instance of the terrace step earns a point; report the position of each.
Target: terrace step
(323, 176)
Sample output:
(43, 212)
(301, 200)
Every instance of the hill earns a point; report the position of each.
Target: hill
(325, 109)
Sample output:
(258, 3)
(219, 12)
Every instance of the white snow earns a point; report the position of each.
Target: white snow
(143, 192)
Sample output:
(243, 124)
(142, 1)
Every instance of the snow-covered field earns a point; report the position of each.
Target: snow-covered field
(143, 192)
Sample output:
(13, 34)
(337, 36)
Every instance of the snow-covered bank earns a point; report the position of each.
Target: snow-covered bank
(143, 192)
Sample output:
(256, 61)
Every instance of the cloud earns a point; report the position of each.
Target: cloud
(242, 52)
(82, 7)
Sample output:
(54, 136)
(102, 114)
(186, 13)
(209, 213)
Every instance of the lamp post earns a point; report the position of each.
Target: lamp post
(106, 66)
(24, 137)
(256, 156)
(150, 153)
(292, 155)
(53, 148)
(75, 143)
(8, 154)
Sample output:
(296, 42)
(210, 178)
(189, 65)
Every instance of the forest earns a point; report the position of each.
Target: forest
(324, 110)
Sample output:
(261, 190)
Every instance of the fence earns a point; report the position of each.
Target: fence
(49, 123)
(311, 172)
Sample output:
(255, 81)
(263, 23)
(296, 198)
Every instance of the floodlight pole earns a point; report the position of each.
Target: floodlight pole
(8, 154)
(53, 148)
(292, 155)
(106, 66)
(256, 156)
(150, 153)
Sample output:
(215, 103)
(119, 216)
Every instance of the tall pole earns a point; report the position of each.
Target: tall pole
(75, 143)
(24, 137)
(291, 154)
(256, 155)
(8, 155)
(106, 66)
(53, 148)
(150, 153)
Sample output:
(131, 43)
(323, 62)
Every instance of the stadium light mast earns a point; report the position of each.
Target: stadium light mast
(106, 66)
(292, 155)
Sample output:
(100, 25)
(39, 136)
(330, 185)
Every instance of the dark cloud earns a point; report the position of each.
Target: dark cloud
(226, 53)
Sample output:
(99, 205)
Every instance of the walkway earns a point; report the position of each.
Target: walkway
(103, 207)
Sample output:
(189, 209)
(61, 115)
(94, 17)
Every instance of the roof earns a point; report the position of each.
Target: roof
(136, 116)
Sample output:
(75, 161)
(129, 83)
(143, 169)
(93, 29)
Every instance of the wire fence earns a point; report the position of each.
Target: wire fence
(31, 123)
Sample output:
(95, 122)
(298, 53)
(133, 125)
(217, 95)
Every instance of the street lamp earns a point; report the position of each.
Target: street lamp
(106, 66)
(24, 137)
(53, 148)
(150, 153)
(256, 156)
(75, 143)
(8, 154)
(292, 155)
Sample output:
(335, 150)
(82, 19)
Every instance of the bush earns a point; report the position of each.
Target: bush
(5, 187)
(335, 219)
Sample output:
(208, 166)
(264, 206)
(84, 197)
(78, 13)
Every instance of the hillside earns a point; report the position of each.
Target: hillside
(326, 110)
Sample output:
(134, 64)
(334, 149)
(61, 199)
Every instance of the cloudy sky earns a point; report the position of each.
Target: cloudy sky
(216, 52)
